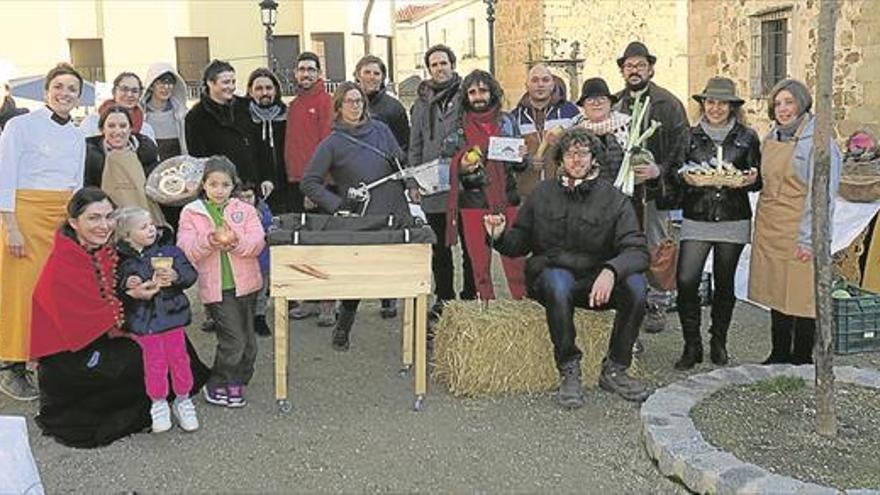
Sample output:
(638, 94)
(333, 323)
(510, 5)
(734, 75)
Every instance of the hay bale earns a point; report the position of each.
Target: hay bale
(505, 348)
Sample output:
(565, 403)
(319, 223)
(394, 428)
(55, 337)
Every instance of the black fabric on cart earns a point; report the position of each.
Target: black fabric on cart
(316, 229)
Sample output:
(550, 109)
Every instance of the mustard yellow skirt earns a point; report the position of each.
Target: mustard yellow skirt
(39, 214)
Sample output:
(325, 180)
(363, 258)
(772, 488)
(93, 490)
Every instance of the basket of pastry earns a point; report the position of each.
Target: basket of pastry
(175, 181)
(706, 175)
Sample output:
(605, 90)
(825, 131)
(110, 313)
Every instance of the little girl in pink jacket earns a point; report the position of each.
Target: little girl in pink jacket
(223, 237)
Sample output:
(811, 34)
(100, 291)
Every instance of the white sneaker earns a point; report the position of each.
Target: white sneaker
(161, 414)
(185, 414)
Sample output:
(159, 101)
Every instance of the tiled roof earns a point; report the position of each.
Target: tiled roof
(412, 12)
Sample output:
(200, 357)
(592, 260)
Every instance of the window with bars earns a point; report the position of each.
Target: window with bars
(769, 61)
(87, 55)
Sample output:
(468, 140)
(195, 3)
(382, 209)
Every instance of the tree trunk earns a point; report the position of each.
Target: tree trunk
(366, 27)
(826, 415)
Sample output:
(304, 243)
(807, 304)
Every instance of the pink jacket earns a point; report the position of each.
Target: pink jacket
(192, 238)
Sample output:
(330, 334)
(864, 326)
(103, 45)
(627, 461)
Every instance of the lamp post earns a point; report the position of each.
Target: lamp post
(490, 18)
(268, 13)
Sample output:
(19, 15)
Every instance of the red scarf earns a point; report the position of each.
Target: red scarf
(478, 127)
(74, 300)
(137, 115)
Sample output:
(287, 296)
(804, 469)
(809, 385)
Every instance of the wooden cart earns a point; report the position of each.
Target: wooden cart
(322, 272)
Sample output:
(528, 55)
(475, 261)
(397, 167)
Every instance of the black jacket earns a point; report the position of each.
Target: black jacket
(147, 153)
(668, 145)
(268, 152)
(742, 148)
(167, 310)
(389, 110)
(214, 129)
(584, 230)
(9, 110)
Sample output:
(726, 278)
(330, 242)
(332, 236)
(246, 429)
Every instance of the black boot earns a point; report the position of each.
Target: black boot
(689, 315)
(342, 330)
(718, 348)
(260, 326)
(781, 328)
(804, 338)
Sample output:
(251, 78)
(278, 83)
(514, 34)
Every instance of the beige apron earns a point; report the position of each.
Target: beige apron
(776, 278)
(124, 181)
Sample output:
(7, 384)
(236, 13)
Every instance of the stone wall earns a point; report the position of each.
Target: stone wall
(721, 40)
(519, 31)
(532, 30)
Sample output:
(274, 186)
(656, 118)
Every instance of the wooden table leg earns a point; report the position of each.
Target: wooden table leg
(408, 327)
(421, 381)
(281, 346)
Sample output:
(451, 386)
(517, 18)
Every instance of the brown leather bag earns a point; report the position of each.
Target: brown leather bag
(664, 261)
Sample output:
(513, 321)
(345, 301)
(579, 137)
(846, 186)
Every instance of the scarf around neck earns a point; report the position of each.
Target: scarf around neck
(477, 128)
(266, 116)
(786, 132)
(717, 133)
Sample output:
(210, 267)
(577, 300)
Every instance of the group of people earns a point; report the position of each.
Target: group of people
(88, 258)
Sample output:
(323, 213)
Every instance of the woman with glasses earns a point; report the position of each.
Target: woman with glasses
(127, 89)
(358, 150)
(611, 127)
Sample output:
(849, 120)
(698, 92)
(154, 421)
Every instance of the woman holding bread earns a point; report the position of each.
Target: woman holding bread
(716, 217)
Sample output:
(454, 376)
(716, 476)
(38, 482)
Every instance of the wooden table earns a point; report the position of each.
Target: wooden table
(332, 272)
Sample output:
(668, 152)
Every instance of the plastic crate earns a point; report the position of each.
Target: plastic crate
(857, 322)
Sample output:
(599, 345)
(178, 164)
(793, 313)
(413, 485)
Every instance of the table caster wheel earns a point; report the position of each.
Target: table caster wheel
(404, 371)
(284, 406)
(419, 404)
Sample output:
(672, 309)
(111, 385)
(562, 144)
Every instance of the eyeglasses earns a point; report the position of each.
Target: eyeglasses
(577, 154)
(353, 101)
(166, 82)
(129, 90)
(596, 100)
(636, 66)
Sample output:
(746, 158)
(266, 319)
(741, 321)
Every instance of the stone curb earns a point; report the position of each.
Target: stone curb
(673, 441)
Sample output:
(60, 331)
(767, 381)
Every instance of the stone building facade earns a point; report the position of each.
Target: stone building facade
(583, 38)
(729, 38)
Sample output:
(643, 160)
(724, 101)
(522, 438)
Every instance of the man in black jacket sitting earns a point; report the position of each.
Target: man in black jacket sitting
(586, 250)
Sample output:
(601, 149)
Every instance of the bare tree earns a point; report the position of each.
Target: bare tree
(826, 415)
(366, 27)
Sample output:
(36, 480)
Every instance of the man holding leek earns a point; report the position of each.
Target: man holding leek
(657, 148)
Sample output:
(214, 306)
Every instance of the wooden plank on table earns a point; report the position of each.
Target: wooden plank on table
(350, 272)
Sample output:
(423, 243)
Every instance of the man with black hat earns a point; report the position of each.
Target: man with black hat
(539, 111)
(668, 146)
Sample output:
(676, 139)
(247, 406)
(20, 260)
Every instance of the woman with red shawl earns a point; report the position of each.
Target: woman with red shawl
(91, 378)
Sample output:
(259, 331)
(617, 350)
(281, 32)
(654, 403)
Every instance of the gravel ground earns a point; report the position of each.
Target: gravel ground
(352, 430)
(775, 429)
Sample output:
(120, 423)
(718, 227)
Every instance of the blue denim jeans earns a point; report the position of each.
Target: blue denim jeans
(560, 292)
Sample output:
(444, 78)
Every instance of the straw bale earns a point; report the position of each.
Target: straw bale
(505, 348)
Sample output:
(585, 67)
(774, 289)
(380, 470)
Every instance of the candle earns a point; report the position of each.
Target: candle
(718, 158)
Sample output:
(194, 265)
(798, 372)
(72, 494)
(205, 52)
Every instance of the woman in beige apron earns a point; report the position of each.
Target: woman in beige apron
(118, 162)
(781, 273)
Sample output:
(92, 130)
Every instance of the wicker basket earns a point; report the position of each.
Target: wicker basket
(860, 181)
(717, 180)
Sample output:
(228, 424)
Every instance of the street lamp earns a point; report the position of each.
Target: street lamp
(268, 14)
(490, 18)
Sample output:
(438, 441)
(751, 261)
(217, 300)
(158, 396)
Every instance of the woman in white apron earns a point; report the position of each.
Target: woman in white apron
(781, 273)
